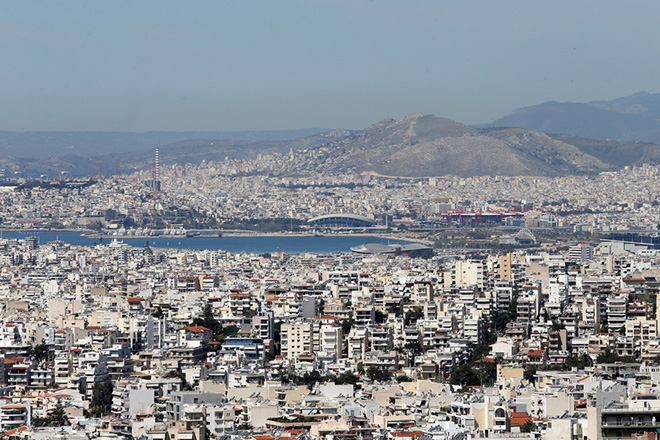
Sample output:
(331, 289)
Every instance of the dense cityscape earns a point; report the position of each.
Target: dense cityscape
(209, 196)
(345, 220)
(541, 325)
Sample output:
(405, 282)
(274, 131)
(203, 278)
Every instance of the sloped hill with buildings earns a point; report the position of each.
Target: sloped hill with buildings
(416, 145)
(426, 145)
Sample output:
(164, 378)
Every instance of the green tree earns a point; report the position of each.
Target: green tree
(487, 372)
(556, 325)
(277, 338)
(414, 348)
(346, 325)
(207, 319)
(529, 426)
(530, 373)
(472, 374)
(480, 351)
(225, 332)
(412, 316)
(396, 309)
(310, 379)
(500, 321)
(41, 351)
(182, 377)
(346, 377)
(102, 397)
(464, 375)
(578, 362)
(609, 357)
(56, 417)
(379, 374)
(513, 307)
(82, 385)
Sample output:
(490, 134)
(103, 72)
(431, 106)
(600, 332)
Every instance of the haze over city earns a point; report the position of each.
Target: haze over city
(207, 65)
(340, 220)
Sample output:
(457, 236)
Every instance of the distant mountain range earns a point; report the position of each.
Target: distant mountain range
(632, 118)
(414, 146)
(584, 138)
(41, 144)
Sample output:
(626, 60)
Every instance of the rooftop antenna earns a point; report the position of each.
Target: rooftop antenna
(117, 166)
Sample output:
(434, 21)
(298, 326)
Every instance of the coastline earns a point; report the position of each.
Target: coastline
(235, 233)
(266, 234)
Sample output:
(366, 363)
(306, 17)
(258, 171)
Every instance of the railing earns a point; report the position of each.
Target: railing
(632, 425)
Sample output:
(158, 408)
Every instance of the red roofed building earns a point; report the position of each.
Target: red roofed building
(194, 336)
(518, 420)
(405, 435)
(14, 417)
(536, 355)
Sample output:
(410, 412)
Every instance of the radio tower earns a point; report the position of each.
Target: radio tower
(157, 166)
(154, 183)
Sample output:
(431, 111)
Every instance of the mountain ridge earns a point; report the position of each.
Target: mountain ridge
(632, 118)
(426, 145)
(417, 145)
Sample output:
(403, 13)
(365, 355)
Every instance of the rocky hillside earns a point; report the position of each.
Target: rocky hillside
(414, 146)
(426, 145)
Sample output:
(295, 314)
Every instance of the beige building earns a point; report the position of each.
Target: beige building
(506, 261)
(489, 416)
(641, 330)
(298, 338)
(465, 274)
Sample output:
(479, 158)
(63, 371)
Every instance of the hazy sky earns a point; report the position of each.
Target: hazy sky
(280, 64)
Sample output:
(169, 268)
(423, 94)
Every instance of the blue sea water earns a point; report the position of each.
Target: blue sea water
(255, 244)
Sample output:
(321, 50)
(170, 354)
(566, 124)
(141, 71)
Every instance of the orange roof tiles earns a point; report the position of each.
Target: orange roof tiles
(535, 353)
(14, 431)
(520, 418)
(197, 329)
